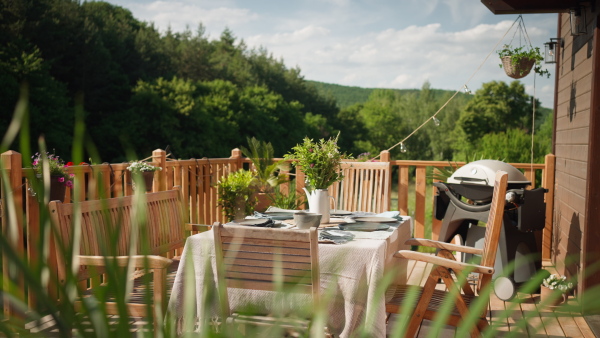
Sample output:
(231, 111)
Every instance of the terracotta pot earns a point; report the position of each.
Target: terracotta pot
(148, 177)
(57, 189)
(263, 201)
(547, 293)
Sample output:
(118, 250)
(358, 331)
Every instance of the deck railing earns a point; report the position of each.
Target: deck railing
(197, 179)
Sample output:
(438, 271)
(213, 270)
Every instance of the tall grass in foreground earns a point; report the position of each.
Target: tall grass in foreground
(91, 320)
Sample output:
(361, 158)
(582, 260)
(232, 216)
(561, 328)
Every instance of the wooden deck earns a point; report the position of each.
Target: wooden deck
(542, 322)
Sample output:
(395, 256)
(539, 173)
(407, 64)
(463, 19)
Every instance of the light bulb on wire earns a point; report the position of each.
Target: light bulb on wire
(403, 148)
(436, 121)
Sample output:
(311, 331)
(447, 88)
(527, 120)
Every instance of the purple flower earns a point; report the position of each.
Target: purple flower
(312, 165)
(69, 184)
(310, 150)
(35, 162)
(61, 179)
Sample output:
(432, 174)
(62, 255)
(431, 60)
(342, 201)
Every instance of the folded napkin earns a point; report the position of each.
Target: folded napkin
(335, 236)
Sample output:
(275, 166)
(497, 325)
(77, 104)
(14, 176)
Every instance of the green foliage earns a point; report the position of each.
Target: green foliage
(266, 171)
(236, 193)
(320, 162)
(519, 53)
(290, 200)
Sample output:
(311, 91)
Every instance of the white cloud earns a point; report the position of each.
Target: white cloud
(179, 15)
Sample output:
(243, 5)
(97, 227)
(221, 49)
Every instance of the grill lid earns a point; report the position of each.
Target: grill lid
(483, 172)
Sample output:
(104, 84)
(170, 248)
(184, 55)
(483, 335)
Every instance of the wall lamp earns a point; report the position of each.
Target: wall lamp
(578, 21)
(552, 49)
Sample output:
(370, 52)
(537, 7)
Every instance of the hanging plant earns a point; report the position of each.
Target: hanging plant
(518, 62)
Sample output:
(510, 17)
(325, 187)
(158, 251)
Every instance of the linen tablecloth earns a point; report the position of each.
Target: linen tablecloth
(350, 274)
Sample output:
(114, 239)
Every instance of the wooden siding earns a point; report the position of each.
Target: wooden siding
(572, 145)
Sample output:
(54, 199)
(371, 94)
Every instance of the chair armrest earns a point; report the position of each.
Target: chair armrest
(197, 227)
(448, 263)
(138, 261)
(443, 245)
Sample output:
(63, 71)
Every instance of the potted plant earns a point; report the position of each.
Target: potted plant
(320, 161)
(518, 62)
(267, 172)
(60, 179)
(554, 290)
(142, 170)
(236, 194)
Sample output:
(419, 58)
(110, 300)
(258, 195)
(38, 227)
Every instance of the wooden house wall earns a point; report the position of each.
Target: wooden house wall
(572, 145)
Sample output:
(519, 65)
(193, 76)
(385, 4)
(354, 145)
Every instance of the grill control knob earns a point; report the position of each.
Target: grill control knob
(511, 197)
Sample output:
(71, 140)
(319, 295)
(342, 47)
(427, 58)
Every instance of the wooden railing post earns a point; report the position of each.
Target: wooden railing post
(236, 154)
(548, 183)
(12, 227)
(384, 156)
(159, 159)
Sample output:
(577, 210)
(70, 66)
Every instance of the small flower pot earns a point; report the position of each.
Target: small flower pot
(518, 70)
(57, 189)
(148, 177)
(263, 201)
(552, 297)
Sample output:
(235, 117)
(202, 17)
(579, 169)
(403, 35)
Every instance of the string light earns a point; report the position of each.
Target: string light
(465, 88)
(436, 121)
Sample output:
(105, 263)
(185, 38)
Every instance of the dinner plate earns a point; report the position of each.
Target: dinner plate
(340, 213)
(254, 222)
(364, 226)
(278, 215)
(375, 219)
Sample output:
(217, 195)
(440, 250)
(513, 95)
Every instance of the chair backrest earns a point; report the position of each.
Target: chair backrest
(494, 224)
(260, 258)
(107, 226)
(366, 186)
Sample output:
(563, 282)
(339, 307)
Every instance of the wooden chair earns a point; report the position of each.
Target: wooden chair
(445, 265)
(106, 228)
(260, 258)
(366, 187)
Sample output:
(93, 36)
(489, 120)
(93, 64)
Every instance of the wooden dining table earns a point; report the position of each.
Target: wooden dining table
(351, 275)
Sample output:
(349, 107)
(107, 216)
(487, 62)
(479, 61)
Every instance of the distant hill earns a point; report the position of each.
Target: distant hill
(346, 96)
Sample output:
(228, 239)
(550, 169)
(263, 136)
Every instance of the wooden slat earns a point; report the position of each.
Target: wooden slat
(266, 242)
(267, 263)
(420, 190)
(266, 277)
(265, 285)
(248, 248)
(284, 271)
(266, 256)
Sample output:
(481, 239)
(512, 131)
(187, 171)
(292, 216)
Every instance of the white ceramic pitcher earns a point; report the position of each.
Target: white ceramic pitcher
(318, 203)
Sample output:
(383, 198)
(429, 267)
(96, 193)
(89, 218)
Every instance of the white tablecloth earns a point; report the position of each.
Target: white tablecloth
(350, 273)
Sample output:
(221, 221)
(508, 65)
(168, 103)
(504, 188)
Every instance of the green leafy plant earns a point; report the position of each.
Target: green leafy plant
(519, 54)
(290, 200)
(236, 193)
(56, 166)
(267, 171)
(320, 162)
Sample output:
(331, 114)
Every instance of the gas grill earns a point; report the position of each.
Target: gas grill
(464, 201)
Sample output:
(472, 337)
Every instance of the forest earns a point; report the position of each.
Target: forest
(137, 89)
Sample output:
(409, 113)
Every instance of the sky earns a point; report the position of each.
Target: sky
(396, 44)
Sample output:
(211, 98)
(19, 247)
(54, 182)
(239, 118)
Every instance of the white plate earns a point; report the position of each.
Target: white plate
(375, 219)
(340, 212)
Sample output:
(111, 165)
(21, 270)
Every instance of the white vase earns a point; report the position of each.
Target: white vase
(318, 203)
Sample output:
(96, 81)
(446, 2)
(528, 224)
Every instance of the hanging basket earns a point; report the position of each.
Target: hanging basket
(518, 70)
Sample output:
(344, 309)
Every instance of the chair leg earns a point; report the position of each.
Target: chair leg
(417, 317)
